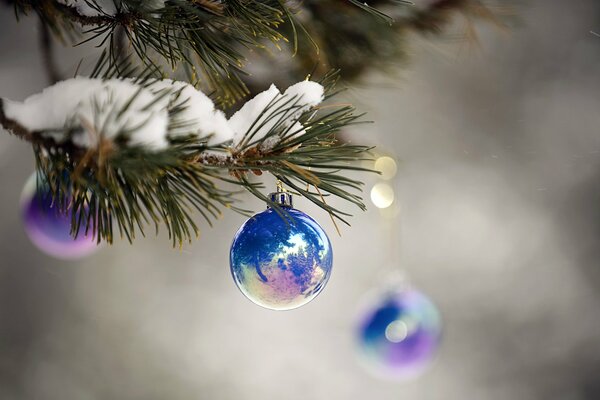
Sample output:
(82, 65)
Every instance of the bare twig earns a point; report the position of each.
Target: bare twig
(84, 20)
(47, 48)
(121, 44)
(35, 138)
(14, 127)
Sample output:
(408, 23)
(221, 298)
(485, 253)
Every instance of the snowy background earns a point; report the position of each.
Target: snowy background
(499, 187)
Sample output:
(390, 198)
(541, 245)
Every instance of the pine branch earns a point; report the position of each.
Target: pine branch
(434, 18)
(340, 35)
(47, 49)
(106, 163)
(210, 40)
(72, 14)
(114, 185)
(207, 37)
(18, 130)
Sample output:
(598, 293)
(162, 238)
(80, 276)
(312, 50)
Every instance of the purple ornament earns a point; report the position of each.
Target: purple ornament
(48, 228)
(399, 336)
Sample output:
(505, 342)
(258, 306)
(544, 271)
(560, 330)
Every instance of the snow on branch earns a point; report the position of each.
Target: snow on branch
(129, 153)
(260, 115)
(86, 111)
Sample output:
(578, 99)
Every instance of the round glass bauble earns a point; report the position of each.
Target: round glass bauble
(49, 228)
(281, 262)
(399, 334)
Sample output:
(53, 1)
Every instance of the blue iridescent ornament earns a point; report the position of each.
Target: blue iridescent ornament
(281, 263)
(398, 337)
(49, 228)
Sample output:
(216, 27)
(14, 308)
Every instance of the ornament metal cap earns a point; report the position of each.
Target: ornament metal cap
(284, 199)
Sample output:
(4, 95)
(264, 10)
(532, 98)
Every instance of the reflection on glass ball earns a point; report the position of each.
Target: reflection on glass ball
(47, 227)
(398, 338)
(281, 264)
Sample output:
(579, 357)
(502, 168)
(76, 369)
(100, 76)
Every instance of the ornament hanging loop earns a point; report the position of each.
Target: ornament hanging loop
(280, 187)
(282, 197)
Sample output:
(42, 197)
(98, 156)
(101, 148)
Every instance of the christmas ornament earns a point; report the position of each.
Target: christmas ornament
(399, 336)
(281, 262)
(47, 227)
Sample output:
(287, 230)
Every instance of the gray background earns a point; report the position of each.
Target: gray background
(499, 189)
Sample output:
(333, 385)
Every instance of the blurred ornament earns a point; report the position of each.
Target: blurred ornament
(281, 262)
(398, 336)
(49, 228)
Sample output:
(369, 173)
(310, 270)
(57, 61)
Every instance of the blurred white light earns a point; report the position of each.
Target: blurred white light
(382, 195)
(392, 212)
(386, 166)
(396, 331)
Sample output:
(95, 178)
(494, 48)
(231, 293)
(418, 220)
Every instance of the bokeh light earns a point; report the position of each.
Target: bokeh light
(382, 195)
(48, 228)
(399, 334)
(386, 166)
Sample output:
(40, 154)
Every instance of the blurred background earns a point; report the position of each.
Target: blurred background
(498, 186)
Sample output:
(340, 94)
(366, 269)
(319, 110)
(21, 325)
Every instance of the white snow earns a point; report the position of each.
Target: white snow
(245, 117)
(90, 103)
(145, 118)
(304, 95)
(91, 107)
(199, 115)
(309, 93)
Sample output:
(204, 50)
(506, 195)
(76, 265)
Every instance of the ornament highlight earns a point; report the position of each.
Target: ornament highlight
(47, 227)
(398, 337)
(278, 262)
